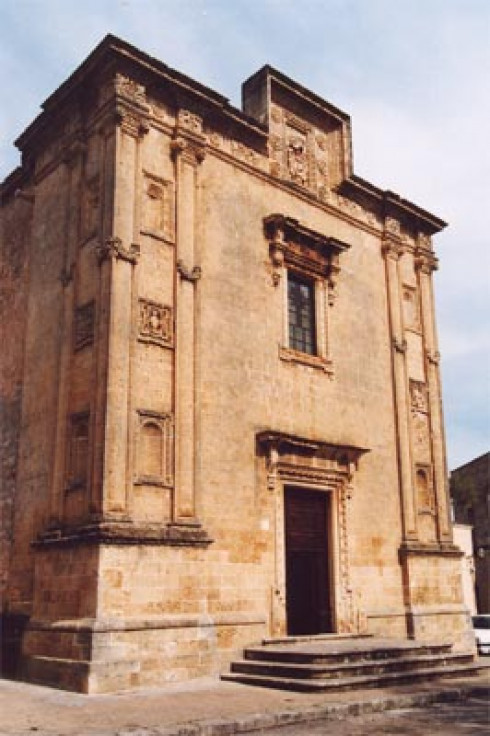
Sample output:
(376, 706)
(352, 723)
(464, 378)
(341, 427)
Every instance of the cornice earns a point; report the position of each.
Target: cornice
(113, 57)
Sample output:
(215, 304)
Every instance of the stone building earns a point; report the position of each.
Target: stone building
(470, 493)
(221, 383)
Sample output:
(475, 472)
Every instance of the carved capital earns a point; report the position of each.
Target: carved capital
(433, 356)
(188, 274)
(425, 262)
(112, 248)
(191, 151)
(392, 226)
(130, 122)
(189, 121)
(391, 249)
(400, 346)
(130, 90)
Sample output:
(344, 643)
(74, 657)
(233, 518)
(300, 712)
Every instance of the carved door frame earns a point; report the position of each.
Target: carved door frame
(317, 466)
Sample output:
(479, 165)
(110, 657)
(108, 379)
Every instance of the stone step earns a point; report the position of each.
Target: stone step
(353, 683)
(349, 669)
(315, 655)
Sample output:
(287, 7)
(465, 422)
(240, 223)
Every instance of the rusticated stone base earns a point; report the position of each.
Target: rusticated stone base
(432, 587)
(101, 656)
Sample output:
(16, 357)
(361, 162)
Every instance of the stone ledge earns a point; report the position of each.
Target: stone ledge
(125, 533)
(419, 549)
(170, 621)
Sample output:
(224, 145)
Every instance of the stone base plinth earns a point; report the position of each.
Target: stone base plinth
(101, 656)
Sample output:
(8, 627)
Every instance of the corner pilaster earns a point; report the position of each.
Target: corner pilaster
(425, 264)
(392, 252)
(188, 152)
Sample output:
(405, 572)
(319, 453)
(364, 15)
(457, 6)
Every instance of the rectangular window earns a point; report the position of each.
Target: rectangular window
(301, 314)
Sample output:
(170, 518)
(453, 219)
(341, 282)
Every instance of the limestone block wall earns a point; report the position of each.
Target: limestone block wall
(15, 227)
(163, 411)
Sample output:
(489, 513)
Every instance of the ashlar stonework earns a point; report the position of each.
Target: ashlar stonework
(221, 389)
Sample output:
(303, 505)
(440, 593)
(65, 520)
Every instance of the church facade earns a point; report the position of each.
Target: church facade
(221, 394)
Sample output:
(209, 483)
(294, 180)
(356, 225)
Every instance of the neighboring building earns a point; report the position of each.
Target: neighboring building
(463, 538)
(221, 398)
(470, 492)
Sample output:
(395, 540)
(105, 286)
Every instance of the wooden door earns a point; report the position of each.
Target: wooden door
(307, 584)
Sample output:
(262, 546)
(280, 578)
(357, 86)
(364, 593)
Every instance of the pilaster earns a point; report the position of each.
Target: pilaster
(425, 264)
(73, 163)
(188, 153)
(117, 255)
(391, 252)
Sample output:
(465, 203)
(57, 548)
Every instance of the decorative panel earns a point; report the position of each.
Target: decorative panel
(155, 448)
(155, 323)
(158, 207)
(83, 333)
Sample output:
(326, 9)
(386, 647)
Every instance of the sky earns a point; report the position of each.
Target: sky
(413, 74)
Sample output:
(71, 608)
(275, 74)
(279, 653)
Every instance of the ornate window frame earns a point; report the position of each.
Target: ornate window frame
(164, 422)
(295, 248)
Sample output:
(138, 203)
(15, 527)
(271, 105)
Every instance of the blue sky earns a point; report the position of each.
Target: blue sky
(413, 74)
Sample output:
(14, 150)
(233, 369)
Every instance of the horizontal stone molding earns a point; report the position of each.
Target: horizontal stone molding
(155, 622)
(419, 549)
(126, 533)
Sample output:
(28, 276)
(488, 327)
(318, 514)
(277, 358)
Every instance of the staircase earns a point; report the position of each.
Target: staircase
(331, 663)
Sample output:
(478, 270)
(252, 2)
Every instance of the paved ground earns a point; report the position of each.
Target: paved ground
(470, 717)
(214, 708)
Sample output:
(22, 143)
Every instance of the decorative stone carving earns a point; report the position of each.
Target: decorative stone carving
(191, 151)
(158, 208)
(433, 357)
(291, 459)
(215, 140)
(188, 274)
(155, 323)
(392, 226)
(78, 451)
(90, 207)
(400, 346)
(190, 121)
(243, 152)
(297, 159)
(411, 311)
(276, 114)
(418, 396)
(113, 248)
(155, 449)
(424, 241)
(130, 90)
(131, 120)
(83, 333)
(425, 262)
(421, 436)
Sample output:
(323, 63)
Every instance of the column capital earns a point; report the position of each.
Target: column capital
(391, 249)
(192, 151)
(425, 262)
(112, 248)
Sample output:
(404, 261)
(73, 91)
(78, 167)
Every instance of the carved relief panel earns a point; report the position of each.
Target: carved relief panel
(77, 451)
(420, 421)
(155, 323)
(90, 207)
(425, 504)
(158, 207)
(298, 151)
(83, 333)
(297, 158)
(411, 311)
